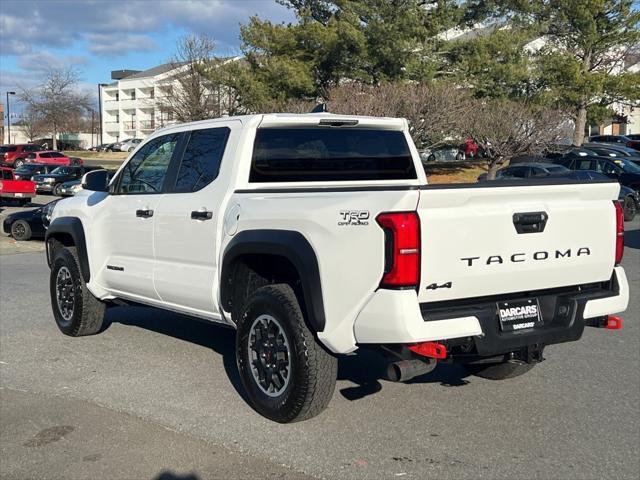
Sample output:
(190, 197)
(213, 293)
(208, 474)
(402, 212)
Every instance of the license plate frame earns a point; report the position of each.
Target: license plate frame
(518, 315)
(19, 195)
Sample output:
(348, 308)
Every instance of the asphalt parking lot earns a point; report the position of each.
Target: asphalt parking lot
(156, 395)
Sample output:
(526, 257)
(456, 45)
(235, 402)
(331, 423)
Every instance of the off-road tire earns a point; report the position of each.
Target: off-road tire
(20, 230)
(629, 208)
(88, 312)
(499, 371)
(313, 371)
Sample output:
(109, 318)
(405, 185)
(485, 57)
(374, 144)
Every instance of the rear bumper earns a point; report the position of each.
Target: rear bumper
(18, 195)
(396, 317)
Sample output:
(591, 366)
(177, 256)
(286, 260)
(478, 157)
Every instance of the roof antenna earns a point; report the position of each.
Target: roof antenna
(320, 108)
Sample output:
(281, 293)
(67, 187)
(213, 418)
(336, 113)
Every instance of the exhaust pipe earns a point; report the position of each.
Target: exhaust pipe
(405, 370)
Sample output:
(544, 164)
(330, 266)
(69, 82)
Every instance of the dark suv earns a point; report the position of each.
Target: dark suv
(622, 169)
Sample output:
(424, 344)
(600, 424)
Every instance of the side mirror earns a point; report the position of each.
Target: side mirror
(96, 181)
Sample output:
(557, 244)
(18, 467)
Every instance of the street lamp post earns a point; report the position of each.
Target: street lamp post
(9, 118)
(100, 85)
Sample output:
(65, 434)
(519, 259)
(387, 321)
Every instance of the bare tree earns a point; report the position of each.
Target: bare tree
(435, 112)
(57, 100)
(508, 129)
(32, 124)
(194, 96)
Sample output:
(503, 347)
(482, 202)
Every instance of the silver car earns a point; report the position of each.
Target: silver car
(128, 145)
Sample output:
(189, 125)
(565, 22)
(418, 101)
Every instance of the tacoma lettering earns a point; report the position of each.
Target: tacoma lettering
(522, 257)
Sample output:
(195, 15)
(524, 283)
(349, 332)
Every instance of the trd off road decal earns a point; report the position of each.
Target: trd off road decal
(354, 217)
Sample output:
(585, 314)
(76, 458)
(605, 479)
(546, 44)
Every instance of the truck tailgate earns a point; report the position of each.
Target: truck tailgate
(481, 241)
(17, 186)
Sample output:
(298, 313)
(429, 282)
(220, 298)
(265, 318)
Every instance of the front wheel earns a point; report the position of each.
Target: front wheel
(499, 371)
(288, 376)
(18, 163)
(76, 311)
(20, 230)
(57, 190)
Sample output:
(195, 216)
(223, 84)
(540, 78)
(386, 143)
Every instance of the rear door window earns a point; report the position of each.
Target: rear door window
(201, 160)
(330, 154)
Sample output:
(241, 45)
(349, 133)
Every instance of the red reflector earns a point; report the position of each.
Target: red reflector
(429, 349)
(619, 232)
(613, 322)
(402, 249)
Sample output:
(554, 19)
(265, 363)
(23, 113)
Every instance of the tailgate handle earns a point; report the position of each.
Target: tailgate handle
(530, 222)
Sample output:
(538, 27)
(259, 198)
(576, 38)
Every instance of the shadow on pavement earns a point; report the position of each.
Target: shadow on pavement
(366, 368)
(632, 239)
(173, 476)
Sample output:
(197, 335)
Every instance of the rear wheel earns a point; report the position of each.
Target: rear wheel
(288, 376)
(20, 230)
(629, 208)
(76, 311)
(499, 371)
(18, 163)
(57, 190)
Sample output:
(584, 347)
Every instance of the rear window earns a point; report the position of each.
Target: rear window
(330, 154)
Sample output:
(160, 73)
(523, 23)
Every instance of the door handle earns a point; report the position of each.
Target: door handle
(201, 215)
(144, 213)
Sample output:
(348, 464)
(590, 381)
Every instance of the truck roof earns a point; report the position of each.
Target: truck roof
(310, 119)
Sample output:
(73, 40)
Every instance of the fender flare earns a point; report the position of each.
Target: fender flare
(294, 247)
(71, 226)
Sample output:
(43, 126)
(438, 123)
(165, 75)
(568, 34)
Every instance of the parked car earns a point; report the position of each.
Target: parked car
(485, 277)
(13, 155)
(527, 170)
(128, 145)
(616, 139)
(614, 150)
(633, 136)
(623, 170)
(99, 148)
(109, 147)
(51, 182)
(20, 190)
(443, 153)
(628, 197)
(52, 157)
(70, 188)
(29, 224)
(28, 170)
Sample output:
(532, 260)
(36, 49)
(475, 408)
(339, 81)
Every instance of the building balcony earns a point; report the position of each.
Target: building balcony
(111, 126)
(147, 125)
(129, 126)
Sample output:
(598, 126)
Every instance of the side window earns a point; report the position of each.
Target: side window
(31, 156)
(583, 165)
(538, 172)
(608, 168)
(201, 160)
(146, 171)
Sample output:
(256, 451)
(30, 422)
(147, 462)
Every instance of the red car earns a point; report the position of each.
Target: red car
(20, 190)
(51, 157)
(10, 154)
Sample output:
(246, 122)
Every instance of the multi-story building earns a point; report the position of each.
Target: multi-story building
(132, 104)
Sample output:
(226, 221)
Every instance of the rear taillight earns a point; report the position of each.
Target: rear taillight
(402, 249)
(619, 232)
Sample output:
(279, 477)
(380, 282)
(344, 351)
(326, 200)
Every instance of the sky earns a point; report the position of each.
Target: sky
(98, 36)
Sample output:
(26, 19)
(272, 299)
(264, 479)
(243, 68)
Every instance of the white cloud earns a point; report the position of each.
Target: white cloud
(116, 43)
(28, 24)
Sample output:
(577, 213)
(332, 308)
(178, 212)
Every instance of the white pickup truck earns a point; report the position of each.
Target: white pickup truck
(316, 234)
